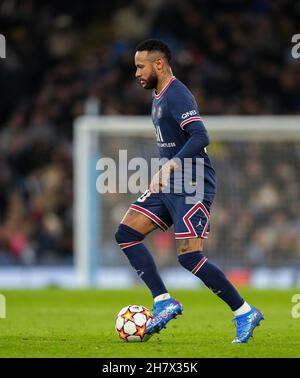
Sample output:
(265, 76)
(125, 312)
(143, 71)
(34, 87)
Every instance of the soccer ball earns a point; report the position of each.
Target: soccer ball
(131, 323)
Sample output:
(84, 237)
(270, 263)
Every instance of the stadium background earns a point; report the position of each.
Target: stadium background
(73, 58)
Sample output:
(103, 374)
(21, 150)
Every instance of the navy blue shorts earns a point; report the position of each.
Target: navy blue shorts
(165, 209)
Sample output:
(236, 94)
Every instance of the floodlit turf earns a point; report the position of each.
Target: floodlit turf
(59, 323)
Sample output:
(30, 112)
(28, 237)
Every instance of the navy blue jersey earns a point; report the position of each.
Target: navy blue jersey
(176, 118)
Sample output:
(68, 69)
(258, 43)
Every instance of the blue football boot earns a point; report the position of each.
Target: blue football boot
(245, 325)
(163, 311)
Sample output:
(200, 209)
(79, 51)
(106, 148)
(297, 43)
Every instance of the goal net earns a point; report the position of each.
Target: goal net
(255, 219)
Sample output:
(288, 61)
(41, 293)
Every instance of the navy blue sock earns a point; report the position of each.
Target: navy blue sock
(212, 276)
(130, 241)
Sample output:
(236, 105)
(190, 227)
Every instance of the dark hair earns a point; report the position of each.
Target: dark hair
(155, 45)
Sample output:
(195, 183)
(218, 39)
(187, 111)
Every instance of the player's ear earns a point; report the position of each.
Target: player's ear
(159, 63)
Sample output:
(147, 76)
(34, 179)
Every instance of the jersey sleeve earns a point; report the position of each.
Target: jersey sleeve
(183, 108)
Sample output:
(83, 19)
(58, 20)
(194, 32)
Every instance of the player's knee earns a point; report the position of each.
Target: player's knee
(190, 260)
(189, 245)
(126, 234)
(121, 235)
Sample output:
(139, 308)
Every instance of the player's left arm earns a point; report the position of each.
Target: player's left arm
(185, 111)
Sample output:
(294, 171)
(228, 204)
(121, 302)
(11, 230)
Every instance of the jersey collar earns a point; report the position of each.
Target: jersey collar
(157, 97)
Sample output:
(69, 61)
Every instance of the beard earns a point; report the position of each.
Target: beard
(151, 82)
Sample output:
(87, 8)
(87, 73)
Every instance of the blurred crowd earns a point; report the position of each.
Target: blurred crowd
(256, 218)
(69, 58)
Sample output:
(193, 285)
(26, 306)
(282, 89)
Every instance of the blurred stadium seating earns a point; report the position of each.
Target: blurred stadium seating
(65, 57)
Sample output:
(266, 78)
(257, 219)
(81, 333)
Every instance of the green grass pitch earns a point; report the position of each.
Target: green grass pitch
(62, 323)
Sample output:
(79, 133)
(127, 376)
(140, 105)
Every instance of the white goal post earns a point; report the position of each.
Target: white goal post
(87, 202)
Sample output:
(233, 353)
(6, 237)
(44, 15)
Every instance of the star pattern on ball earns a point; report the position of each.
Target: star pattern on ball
(140, 331)
(122, 334)
(148, 313)
(128, 315)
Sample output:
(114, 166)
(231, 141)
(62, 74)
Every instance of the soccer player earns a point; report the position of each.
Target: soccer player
(180, 134)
